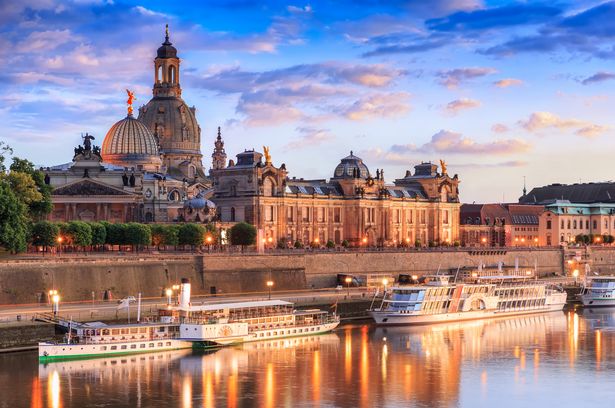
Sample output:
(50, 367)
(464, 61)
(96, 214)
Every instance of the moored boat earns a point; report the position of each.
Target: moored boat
(438, 300)
(598, 291)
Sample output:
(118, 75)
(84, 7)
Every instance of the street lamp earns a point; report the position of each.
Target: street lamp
(348, 280)
(269, 286)
(414, 278)
(59, 239)
(483, 240)
(575, 273)
(385, 282)
(55, 303)
(169, 293)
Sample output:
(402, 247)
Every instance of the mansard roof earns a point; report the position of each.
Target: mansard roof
(583, 193)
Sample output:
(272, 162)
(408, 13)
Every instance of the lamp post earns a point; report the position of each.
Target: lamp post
(385, 282)
(208, 240)
(55, 302)
(348, 280)
(575, 273)
(483, 240)
(169, 293)
(59, 239)
(269, 286)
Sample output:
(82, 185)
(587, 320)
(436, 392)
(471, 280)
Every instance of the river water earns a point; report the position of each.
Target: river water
(564, 359)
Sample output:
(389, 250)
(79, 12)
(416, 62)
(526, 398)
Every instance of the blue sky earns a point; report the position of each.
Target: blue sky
(498, 89)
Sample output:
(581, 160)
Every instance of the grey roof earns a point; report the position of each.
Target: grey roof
(318, 187)
(348, 164)
(575, 193)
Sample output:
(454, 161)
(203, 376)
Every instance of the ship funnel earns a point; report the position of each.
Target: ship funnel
(184, 295)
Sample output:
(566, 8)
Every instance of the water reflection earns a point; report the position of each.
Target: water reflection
(531, 358)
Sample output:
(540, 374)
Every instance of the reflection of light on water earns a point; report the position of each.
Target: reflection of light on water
(316, 376)
(348, 354)
(208, 390)
(522, 360)
(598, 348)
(53, 389)
(573, 335)
(364, 370)
(408, 380)
(385, 355)
(187, 392)
(232, 391)
(269, 387)
(37, 400)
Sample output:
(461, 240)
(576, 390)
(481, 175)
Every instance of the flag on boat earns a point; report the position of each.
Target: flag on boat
(125, 303)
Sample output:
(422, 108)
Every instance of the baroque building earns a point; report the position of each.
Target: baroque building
(354, 205)
(148, 169)
(172, 122)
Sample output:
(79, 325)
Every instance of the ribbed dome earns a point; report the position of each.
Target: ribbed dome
(128, 143)
(347, 166)
(199, 202)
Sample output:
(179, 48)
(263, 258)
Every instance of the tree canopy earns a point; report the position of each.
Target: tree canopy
(13, 220)
(243, 234)
(191, 234)
(45, 233)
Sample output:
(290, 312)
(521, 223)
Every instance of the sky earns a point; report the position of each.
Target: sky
(500, 90)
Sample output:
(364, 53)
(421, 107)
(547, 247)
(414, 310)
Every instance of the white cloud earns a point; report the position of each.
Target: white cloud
(505, 83)
(458, 105)
(545, 120)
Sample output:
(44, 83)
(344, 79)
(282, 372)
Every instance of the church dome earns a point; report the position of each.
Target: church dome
(167, 50)
(351, 167)
(130, 143)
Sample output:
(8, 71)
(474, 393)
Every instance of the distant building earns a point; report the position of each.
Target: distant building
(500, 225)
(353, 205)
(573, 209)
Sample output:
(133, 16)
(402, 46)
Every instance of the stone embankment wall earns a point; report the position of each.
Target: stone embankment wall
(27, 281)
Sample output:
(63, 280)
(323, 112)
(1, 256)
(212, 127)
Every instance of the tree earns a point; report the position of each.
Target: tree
(281, 243)
(5, 150)
(417, 243)
(298, 244)
(243, 234)
(13, 218)
(171, 235)
(80, 233)
(41, 206)
(579, 239)
(137, 234)
(45, 234)
(345, 243)
(115, 233)
(330, 244)
(99, 233)
(158, 234)
(24, 187)
(190, 234)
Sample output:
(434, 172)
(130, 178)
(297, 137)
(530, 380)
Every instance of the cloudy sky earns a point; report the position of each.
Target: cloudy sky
(498, 89)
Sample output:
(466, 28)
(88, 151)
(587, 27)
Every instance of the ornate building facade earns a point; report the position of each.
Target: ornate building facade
(148, 169)
(353, 205)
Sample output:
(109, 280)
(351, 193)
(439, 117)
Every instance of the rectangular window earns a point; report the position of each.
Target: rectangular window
(321, 214)
(562, 224)
(568, 224)
(445, 217)
(410, 217)
(548, 224)
(269, 213)
(337, 215)
(289, 214)
(595, 224)
(305, 214)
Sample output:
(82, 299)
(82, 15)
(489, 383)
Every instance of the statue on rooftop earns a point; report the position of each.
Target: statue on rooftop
(443, 166)
(131, 98)
(267, 155)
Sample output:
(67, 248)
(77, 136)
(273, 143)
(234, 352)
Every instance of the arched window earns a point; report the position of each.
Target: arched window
(232, 213)
(159, 77)
(174, 195)
(149, 217)
(444, 192)
(172, 73)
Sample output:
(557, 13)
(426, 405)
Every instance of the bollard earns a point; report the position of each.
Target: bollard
(19, 318)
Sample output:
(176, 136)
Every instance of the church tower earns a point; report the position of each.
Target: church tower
(171, 120)
(219, 155)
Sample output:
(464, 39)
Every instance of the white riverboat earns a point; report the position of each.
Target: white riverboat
(598, 291)
(439, 300)
(186, 325)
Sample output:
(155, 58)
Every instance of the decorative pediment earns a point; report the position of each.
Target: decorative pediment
(89, 188)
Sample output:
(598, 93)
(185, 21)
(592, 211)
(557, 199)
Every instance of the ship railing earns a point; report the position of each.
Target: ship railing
(91, 339)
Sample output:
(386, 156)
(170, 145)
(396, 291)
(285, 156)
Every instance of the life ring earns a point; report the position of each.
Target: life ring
(45, 353)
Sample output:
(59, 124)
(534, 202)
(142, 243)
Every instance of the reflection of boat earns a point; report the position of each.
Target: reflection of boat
(598, 291)
(440, 301)
(602, 318)
(187, 325)
(98, 366)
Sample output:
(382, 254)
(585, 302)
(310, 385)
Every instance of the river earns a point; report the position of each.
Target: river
(564, 359)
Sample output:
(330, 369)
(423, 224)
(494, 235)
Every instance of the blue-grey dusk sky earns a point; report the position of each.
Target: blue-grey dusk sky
(498, 89)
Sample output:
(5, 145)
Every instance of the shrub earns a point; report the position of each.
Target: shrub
(281, 243)
(44, 233)
(417, 243)
(345, 243)
(80, 233)
(137, 234)
(298, 244)
(330, 244)
(99, 233)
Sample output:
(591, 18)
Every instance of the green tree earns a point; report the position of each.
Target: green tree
(13, 219)
(298, 244)
(281, 243)
(45, 234)
(171, 235)
(99, 233)
(345, 243)
(115, 233)
(41, 206)
(243, 234)
(190, 234)
(417, 243)
(137, 234)
(330, 244)
(24, 187)
(158, 234)
(80, 233)
(5, 151)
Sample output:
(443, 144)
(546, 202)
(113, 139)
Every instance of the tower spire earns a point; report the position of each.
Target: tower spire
(166, 33)
(524, 189)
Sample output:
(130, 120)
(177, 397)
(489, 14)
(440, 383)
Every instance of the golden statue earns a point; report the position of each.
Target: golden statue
(131, 98)
(267, 155)
(443, 166)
